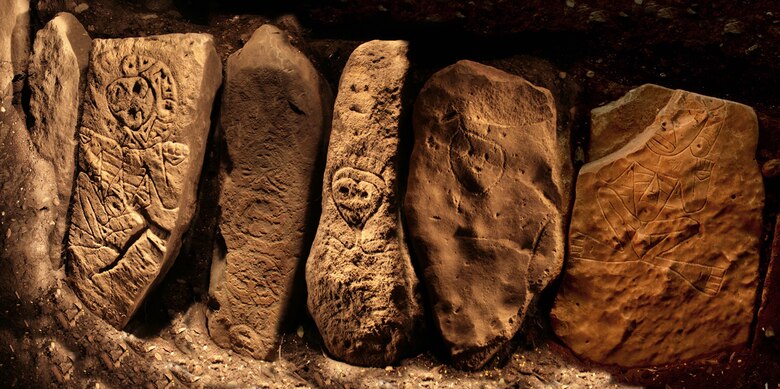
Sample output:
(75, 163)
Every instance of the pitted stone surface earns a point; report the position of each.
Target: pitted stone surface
(28, 196)
(362, 288)
(484, 203)
(664, 238)
(275, 112)
(14, 46)
(58, 67)
(142, 138)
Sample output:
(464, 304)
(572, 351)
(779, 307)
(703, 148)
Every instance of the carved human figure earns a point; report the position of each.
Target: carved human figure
(650, 206)
(130, 176)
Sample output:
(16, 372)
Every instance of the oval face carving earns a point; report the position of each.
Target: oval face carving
(477, 162)
(357, 195)
(131, 101)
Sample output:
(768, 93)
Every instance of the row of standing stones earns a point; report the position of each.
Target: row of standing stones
(663, 237)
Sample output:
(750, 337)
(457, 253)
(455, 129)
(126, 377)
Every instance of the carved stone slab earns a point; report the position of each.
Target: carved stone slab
(362, 287)
(57, 73)
(141, 143)
(484, 203)
(275, 111)
(663, 244)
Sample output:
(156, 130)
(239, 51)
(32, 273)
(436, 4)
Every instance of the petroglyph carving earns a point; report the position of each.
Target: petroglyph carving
(136, 177)
(477, 162)
(357, 195)
(650, 207)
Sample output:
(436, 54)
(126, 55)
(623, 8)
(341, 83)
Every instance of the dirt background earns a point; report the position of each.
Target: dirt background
(588, 52)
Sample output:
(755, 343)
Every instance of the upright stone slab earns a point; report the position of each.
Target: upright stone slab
(664, 239)
(484, 203)
(14, 45)
(363, 293)
(275, 112)
(57, 73)
(27, 201)
(141, 144)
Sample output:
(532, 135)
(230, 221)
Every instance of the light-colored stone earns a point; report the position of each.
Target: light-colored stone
(275, 112)
(615, 124)
(57, 72)
(363, 293)
(14, 45)
(27, 211)
(664, 238)
(484, 203)
(142, 138)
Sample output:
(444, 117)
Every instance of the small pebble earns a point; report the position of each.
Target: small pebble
(734, 27)
(81, 8)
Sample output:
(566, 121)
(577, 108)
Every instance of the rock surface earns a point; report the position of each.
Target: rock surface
(484, 203)
(275, 112)
(617, 123)
(663, 242)
(767, 334)
(27, 201)
(142, 138)
(14, 45)
(58, 67)
(362, 288)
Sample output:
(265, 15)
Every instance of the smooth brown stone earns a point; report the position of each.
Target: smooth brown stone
(484, 203)
(664, 239)
(57, 74)
(145, 122)
(363, 293)
(275, 114)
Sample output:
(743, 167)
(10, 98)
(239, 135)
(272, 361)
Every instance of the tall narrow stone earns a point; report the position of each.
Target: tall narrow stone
(27, 201)
(142, 139)
(484, 203)
(363, 292)
(14, 45)
(57, 73)
(275, 112)
(664, 237)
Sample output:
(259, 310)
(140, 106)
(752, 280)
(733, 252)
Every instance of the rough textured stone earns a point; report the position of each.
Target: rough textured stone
(767, 333)
(663, 242)
(362, 288)
(141, 144)
(275, 112)
(615, 124)
(484, 203)
(14, 45)
(58, 67)
(27, 201)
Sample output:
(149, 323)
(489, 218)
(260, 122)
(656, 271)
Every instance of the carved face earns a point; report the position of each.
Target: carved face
(357, 195)
(477, 162)
(131, 101)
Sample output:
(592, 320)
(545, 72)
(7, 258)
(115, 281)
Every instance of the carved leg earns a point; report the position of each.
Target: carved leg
(620, 219)
(660, 236)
